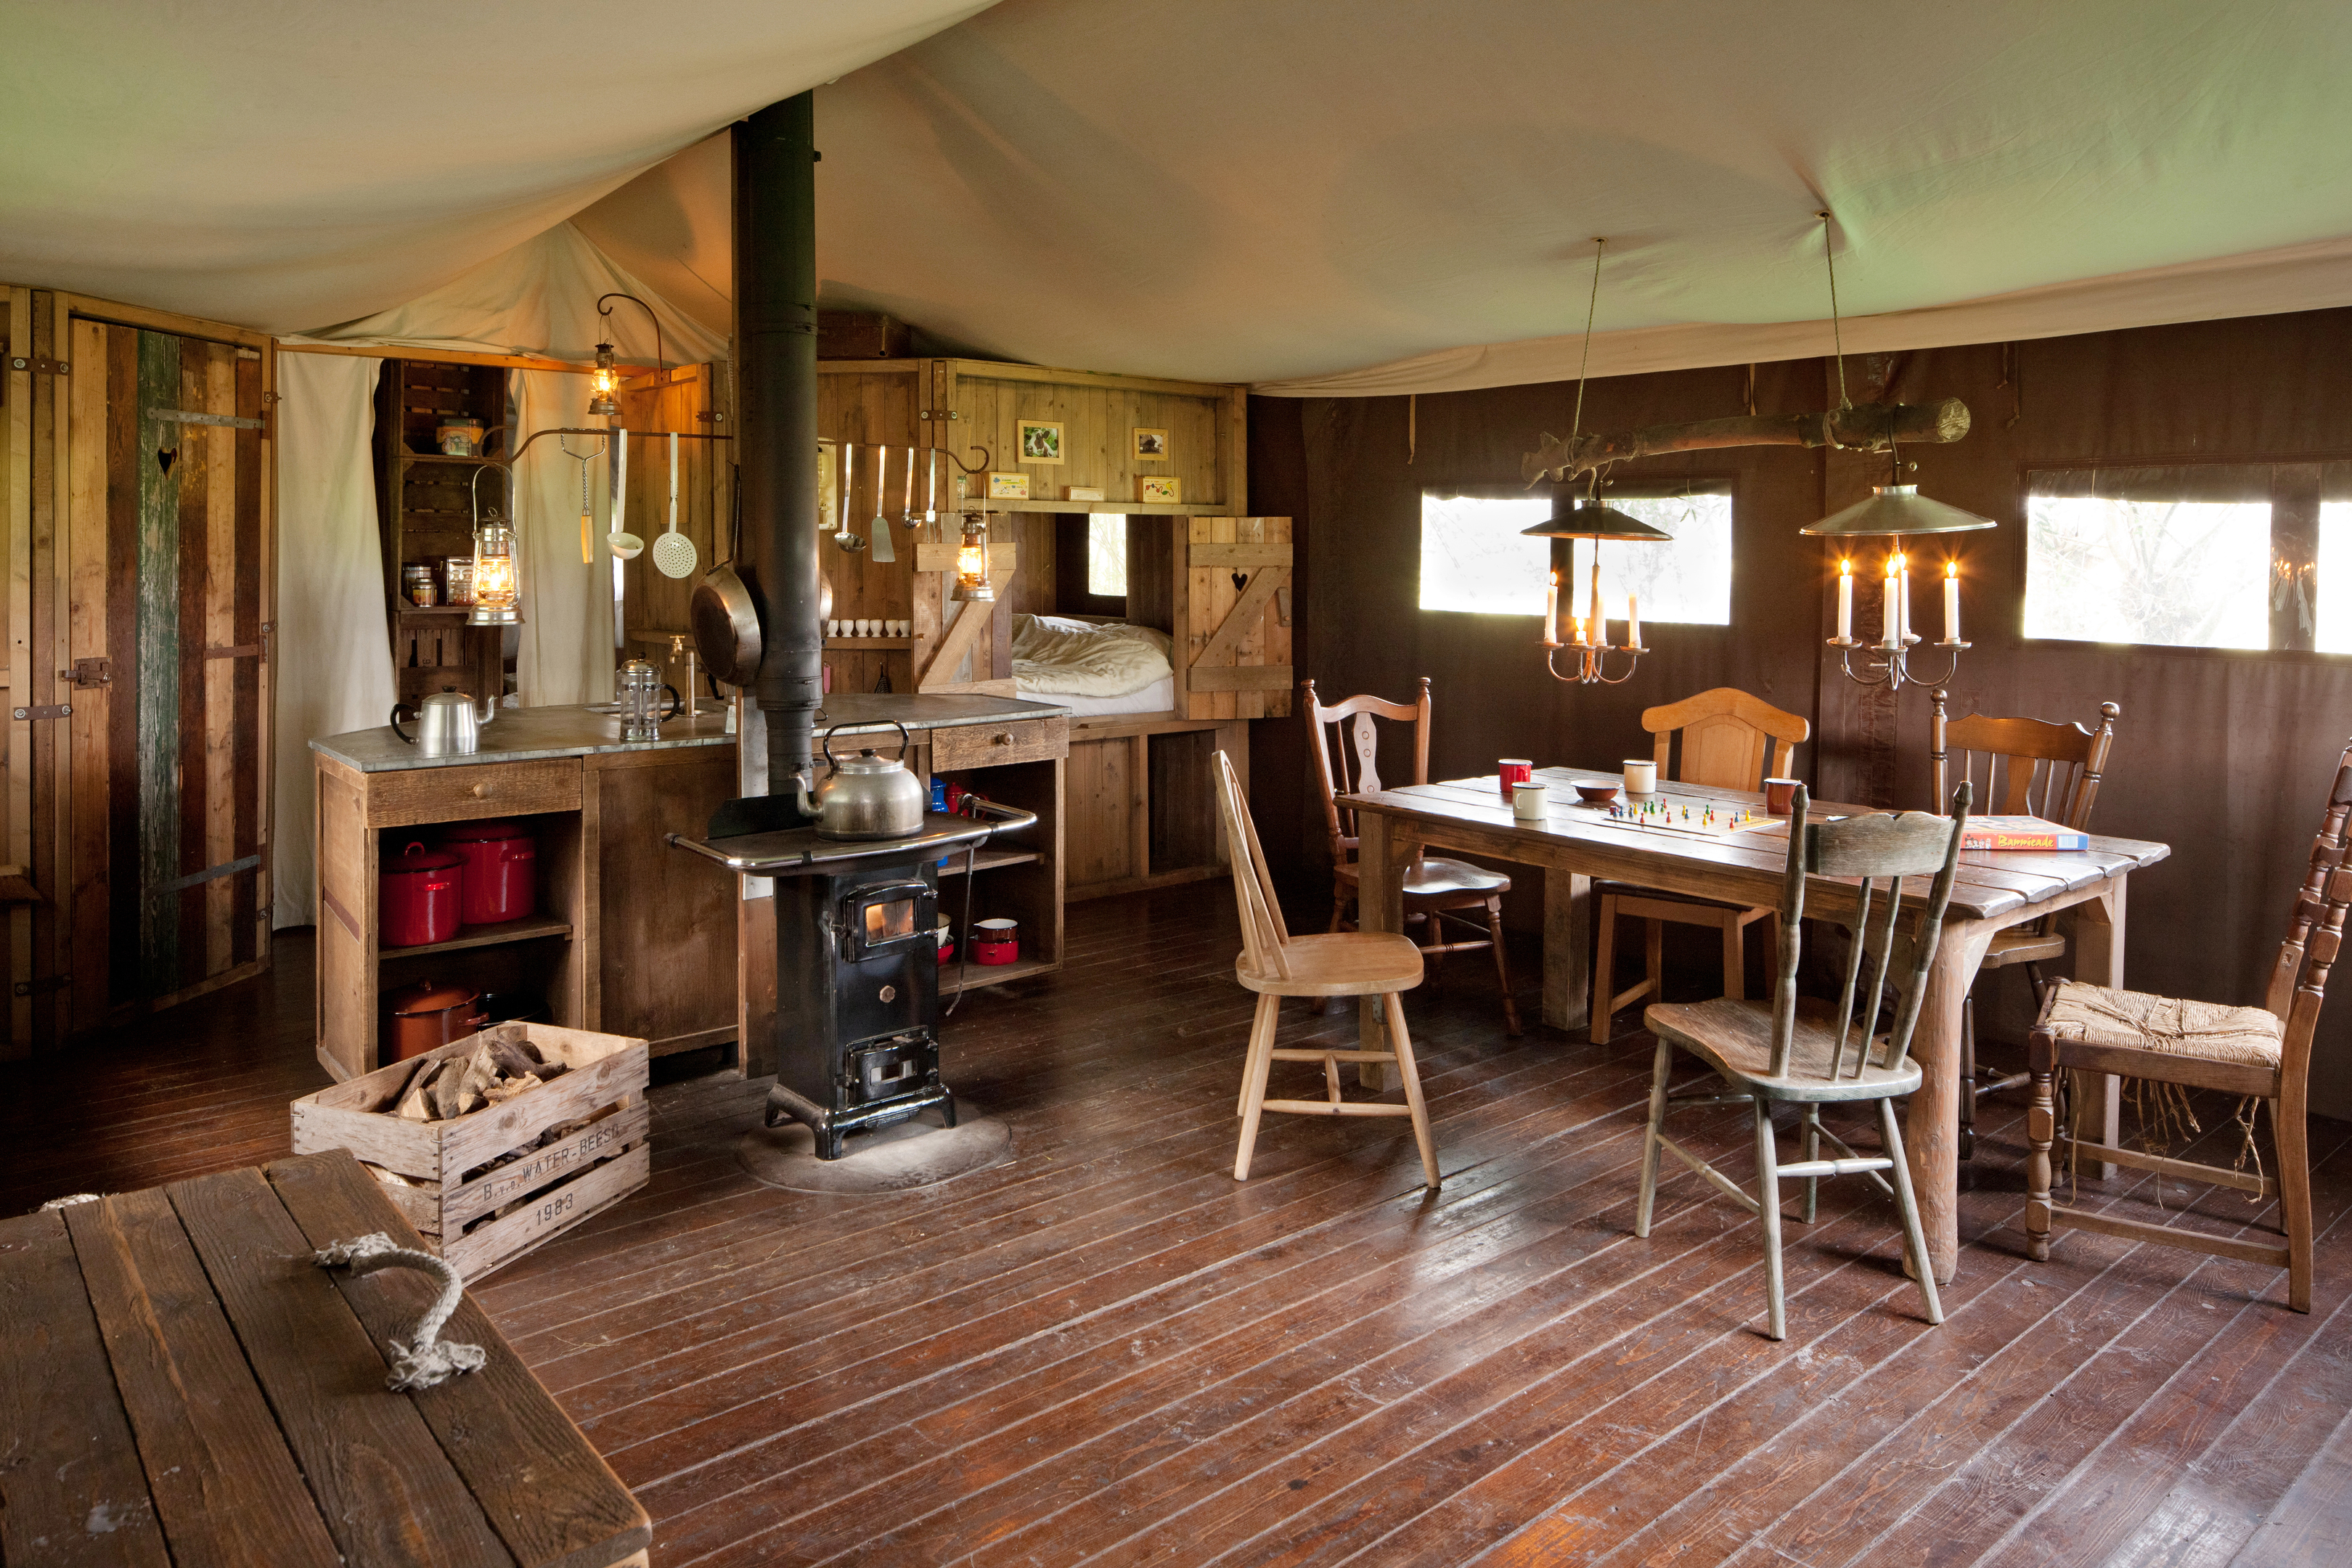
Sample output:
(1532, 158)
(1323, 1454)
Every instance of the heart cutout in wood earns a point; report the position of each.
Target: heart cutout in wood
(1241, 581)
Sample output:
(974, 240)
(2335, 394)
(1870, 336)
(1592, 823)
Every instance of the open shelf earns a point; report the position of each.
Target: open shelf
(856, 644)
(980, 974)
(990, 860)
(445, 457)
(525, 930)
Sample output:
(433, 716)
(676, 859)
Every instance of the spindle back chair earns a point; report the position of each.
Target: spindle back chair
(1809, 1052)
(1346, 742)
(2030, 767)
(1274, 963)
(1729, 741)
(2260, 1053)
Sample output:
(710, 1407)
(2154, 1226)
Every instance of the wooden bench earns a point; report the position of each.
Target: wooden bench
(180, 1384)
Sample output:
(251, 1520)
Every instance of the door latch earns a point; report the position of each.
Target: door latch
(87, 673)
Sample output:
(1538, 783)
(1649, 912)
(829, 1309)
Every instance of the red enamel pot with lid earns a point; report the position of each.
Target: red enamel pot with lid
(501, 861)
(425, 1016)
(419, 895)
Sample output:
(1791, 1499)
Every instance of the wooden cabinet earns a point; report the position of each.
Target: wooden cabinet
(630, 937)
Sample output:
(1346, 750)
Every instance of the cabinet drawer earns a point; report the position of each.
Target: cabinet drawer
(483, 789)
(988, 746)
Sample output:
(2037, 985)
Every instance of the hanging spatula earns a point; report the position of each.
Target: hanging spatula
(883, 551)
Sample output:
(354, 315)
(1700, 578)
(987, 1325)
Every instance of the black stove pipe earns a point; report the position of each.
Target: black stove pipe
(776, 435)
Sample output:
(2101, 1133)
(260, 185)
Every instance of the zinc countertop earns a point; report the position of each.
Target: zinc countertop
(528, 734)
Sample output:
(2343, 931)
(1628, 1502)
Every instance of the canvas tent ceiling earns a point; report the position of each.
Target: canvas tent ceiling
(1318, 194)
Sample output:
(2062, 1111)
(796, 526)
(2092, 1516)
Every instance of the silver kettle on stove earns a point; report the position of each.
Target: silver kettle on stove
(448, 724)
(867, 796)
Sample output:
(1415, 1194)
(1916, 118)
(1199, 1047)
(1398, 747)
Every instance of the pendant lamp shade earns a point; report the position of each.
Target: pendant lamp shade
(1591, 519)
(1897, 510)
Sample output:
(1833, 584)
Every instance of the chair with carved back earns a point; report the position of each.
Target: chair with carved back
(1731, 740)
(1436, 890)
(1274, 963)
(2260, 1054)
(1806, 1052)
(2029, 767)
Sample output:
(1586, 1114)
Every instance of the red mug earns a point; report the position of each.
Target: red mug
(1781, 797)
(1514, 771)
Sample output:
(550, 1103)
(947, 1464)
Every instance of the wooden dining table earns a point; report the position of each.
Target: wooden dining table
(1576, 843)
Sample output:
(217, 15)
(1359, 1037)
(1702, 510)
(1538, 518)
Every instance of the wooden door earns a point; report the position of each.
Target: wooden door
(139, 733)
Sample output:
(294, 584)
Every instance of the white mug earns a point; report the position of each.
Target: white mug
(1641, 775)
(1528, 801)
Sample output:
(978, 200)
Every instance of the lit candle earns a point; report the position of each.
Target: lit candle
(1890, 623)
(1600, 622)
(1633, 622)
(1951, 601)
(1580, 632)
(1551, 611)
(1905, 560)
(1845, 600)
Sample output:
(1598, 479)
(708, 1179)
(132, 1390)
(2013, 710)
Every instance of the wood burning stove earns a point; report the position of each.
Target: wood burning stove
(857, 984)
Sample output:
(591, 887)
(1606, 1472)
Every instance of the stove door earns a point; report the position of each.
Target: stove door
(885, 918)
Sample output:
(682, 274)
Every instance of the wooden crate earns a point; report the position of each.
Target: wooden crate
(583, 1174)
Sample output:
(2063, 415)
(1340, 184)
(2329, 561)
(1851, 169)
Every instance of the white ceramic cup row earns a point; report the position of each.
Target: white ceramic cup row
(869, 628)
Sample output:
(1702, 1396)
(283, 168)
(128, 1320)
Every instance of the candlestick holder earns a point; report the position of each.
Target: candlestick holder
(1894, 671)
(1591, 662)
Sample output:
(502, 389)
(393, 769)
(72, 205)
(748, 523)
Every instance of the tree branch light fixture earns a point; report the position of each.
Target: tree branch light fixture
(1894, 511)
(1588, 633)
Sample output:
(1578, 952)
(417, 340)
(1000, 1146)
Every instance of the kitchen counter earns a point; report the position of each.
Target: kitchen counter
(526, 734)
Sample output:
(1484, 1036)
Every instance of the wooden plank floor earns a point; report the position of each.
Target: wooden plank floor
(1108, 1351)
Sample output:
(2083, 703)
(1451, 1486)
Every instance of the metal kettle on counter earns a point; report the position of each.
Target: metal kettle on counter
(868, 796)
(448, 724)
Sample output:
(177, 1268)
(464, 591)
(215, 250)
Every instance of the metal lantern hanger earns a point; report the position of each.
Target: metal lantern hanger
(1894, 511)
(1588, 519)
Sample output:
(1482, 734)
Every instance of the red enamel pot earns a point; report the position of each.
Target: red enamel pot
(418, 895)
(501, 871)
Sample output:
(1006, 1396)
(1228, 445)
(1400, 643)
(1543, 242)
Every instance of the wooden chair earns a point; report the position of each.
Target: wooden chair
(1435, 888)
(2262, 1053)
(1276, 965)
(2031, 767)
(1727, 740)
(1805, 1052)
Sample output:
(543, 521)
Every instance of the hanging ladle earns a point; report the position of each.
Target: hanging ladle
(625, 545)
(848, 538)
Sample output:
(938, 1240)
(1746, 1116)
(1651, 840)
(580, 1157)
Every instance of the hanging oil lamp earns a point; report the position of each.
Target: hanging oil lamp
(971, 583)
(603, 382)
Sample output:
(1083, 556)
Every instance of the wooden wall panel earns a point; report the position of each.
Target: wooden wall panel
(88, 529)
(651, 603)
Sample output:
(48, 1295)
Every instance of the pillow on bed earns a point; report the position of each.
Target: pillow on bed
(1053, 655)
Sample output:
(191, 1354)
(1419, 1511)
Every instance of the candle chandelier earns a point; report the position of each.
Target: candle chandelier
(1894, 512)
(1588, 632)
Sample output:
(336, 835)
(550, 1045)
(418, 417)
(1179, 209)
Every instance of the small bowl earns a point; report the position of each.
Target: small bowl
(1596, 794)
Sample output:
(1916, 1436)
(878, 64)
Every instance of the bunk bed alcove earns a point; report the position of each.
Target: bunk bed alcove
(1137, 809)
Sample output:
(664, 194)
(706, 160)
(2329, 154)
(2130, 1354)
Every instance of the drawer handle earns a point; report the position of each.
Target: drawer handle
(1005, 740)
(481, 791)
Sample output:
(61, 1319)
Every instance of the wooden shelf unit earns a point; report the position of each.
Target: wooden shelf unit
(424, 508)
(955, 976)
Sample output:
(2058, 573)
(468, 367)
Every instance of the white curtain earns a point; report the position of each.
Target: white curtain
(567, 653)
(331, 656)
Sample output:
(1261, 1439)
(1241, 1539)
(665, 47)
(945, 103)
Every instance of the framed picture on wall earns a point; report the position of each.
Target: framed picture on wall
(1162, 489)
(1151, 445)
(1008, 487)
(1041, 440)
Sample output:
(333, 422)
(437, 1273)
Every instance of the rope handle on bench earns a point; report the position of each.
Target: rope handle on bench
(424, 1361)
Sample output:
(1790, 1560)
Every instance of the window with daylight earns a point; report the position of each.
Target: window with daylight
(1475, 561)
(1107, 555)
(2212, 555)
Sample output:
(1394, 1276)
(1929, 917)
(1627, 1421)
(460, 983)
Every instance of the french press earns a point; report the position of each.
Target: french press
(638, 687)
